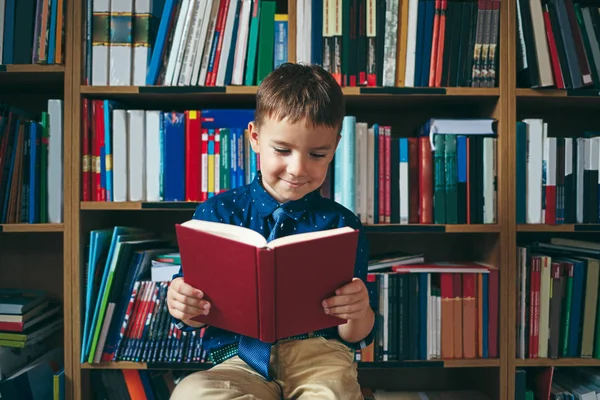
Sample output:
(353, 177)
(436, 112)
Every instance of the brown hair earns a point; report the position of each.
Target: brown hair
(295, 92)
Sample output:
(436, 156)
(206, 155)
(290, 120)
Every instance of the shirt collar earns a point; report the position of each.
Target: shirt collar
(266, 204)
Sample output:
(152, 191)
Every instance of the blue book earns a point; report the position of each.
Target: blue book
(160, 45)
(174, 162)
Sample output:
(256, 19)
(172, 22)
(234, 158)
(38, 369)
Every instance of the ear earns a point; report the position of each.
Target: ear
(253, 135)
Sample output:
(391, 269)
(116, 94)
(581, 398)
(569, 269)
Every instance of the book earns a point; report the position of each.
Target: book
(267, 291)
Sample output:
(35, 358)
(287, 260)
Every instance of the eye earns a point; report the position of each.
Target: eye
(315, 155)
(281, 151)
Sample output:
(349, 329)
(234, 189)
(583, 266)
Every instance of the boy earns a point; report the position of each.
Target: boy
(298, 120)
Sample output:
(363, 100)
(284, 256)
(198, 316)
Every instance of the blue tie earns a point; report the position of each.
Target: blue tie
(255, 353)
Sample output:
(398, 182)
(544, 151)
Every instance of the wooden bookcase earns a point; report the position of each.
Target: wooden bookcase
(55, 263)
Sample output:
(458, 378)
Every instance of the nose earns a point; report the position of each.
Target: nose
(296, 165)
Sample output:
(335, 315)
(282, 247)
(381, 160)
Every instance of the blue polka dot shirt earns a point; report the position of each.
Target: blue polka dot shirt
(252, 206)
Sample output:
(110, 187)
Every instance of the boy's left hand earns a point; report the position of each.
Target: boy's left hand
(350, 302)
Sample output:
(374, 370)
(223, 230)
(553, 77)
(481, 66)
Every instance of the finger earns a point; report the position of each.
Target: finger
(192, 301)
(190, 311)
(186, 289)
(349, 315)
(355, 286)
(347, 308)
(342, 300)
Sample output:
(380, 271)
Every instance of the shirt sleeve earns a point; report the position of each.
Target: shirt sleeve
(203, 212)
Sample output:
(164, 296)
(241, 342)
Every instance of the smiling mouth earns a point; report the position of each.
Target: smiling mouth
(293, 184)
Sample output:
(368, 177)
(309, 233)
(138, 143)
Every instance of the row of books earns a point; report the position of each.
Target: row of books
(153, 155)
(183, 42)
(559, 44)
(557, 299)
(27, 317)
(434, 310)
(407, 43)
(557, 177)
(444, 174)
(31, 165)
(134, 384)
(126, 318)
(32, 31)
(562, 383)
(125, 314)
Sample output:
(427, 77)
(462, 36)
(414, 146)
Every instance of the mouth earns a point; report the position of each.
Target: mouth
(293, 184)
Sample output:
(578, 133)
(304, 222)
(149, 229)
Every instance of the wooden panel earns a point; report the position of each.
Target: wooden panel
(32, 260)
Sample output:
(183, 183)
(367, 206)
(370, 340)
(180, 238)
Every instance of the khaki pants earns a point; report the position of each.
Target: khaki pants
(314, 368)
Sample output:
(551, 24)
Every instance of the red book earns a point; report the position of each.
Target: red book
(266, 291)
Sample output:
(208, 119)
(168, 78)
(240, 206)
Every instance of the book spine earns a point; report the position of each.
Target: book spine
(265, 261)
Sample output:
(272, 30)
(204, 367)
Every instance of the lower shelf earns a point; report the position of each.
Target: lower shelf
(32, 227)
(558, 362)
(471, 363)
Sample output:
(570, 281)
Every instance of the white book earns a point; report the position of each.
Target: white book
(153, 153)
(121, 52)
(241, 46)
(136, 125)
(200, 46)
(541, 44)
(55, 161)
(183, 11)
(582, 153)
(120, 173)
(361, 170)
(544, 306)
(100, 49)
(534, 170)
(141, 54)
(210, 34)
(187, 67)
(391, 38)
(489, 179)
(411, 43)
(226, 45)
(185, 38)
(545, 157)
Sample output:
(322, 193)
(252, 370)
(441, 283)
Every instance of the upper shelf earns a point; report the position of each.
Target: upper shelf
(25, 76)
(247, 94)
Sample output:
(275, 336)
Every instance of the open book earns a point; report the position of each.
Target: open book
(266, 290)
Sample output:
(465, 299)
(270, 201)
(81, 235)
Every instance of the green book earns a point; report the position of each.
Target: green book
(267, 40)
(451, 180)
(253, 43)
(44, 170)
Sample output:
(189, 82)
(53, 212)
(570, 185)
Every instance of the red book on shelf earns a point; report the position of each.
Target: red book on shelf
(266, 290)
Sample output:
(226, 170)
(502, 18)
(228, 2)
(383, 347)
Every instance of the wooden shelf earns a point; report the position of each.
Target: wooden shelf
(31, 228)
(590, 228)
(361, 365)
(424, 228)
(138, 205)
(31, 68)
(31, 77)
(559, 362)
(251, 90)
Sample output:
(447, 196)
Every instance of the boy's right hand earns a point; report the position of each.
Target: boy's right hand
(186, 302)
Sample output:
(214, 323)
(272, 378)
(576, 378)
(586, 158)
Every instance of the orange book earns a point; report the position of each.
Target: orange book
(447, 317)
(266, 290)
(469, 316)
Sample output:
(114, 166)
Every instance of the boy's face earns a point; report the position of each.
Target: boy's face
(293, 157)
